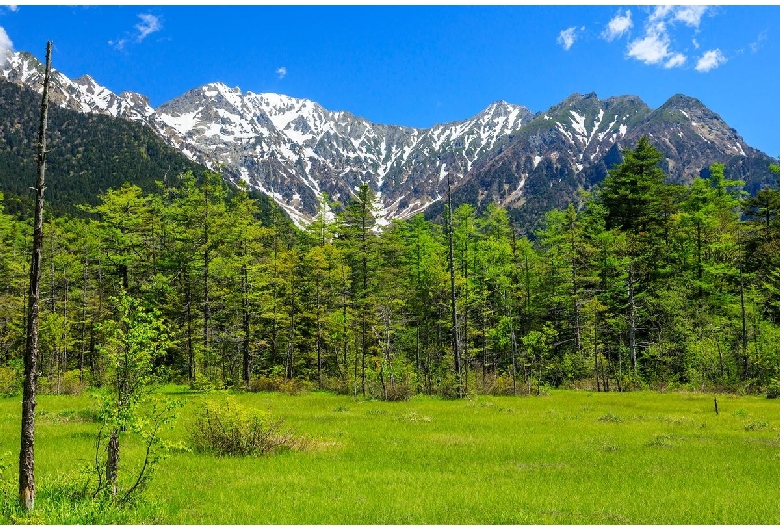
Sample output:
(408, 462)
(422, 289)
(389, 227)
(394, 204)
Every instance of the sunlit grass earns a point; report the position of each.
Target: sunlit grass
(564, 458)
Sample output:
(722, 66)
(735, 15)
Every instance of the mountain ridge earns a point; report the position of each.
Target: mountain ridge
(294, 150)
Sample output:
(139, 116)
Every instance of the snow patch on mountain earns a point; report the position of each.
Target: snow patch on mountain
(294, 150)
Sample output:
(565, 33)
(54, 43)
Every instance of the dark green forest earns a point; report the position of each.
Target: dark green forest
(648, 284)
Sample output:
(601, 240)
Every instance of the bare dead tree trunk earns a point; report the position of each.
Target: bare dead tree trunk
(27, 452)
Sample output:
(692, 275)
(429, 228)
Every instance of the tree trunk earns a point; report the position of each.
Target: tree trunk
(743, 337)
(319, 334)
(596, 350)
(188, 316)
(27, 452)
(455, 341)
(245, 306)
(575, 290)
(206, 313)
(112, 462)
(631, 317)
(364, 298)
(83, 317)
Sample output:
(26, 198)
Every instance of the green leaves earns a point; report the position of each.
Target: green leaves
(134, 340)
(633, 192)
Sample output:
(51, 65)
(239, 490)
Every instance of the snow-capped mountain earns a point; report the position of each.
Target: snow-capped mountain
(571, 146)
(294, 150)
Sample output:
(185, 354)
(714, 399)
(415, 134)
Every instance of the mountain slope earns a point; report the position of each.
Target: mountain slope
(294, 150)
(88, 153)
(572, 145)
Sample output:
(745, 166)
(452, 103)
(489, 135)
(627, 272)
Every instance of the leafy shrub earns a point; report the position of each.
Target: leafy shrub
(71, 383)
(201, 383)
(773, 390)
(231, 430)
(398, 391)
(338, 385)
(278, 383)
(10, 381)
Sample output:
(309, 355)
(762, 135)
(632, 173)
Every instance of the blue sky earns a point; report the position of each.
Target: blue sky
(421, 65)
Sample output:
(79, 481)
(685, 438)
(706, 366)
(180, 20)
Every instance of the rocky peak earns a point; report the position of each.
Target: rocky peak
(294, 149)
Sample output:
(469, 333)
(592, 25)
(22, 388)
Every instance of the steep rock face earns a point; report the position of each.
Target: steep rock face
(82, 94)
(571, 147)
(294, 150)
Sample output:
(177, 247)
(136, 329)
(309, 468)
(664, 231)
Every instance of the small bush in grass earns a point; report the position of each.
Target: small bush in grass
(773, 390)
(72, 382)
(231, 430)
(201, 383)
(400, 391)
(661, 440)
(756, 425)
(337, 385)
(278, 383)
(10, 381)
(610, 418)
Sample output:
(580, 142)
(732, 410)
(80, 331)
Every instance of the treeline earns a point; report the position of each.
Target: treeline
(645, 284)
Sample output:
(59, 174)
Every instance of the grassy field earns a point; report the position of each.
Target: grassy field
(564, 458)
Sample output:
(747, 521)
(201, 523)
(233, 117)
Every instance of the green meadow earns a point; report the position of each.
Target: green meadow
(568, 457)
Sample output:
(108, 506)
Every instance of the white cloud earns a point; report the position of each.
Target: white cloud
(664, 26)
(281, 72)
(13, 8)
(118, 44)
(148, 25)
(653, 48)
(711, 59)
(677, 59)
(6, 46)
(617, 26)
(567, 37)
(660, 13)
(758, 43)
(690, 15)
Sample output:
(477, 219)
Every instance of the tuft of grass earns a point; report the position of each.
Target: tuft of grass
(414, 417)
(661, 440)
(610, 418)
(756, 425)
(609, 447)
